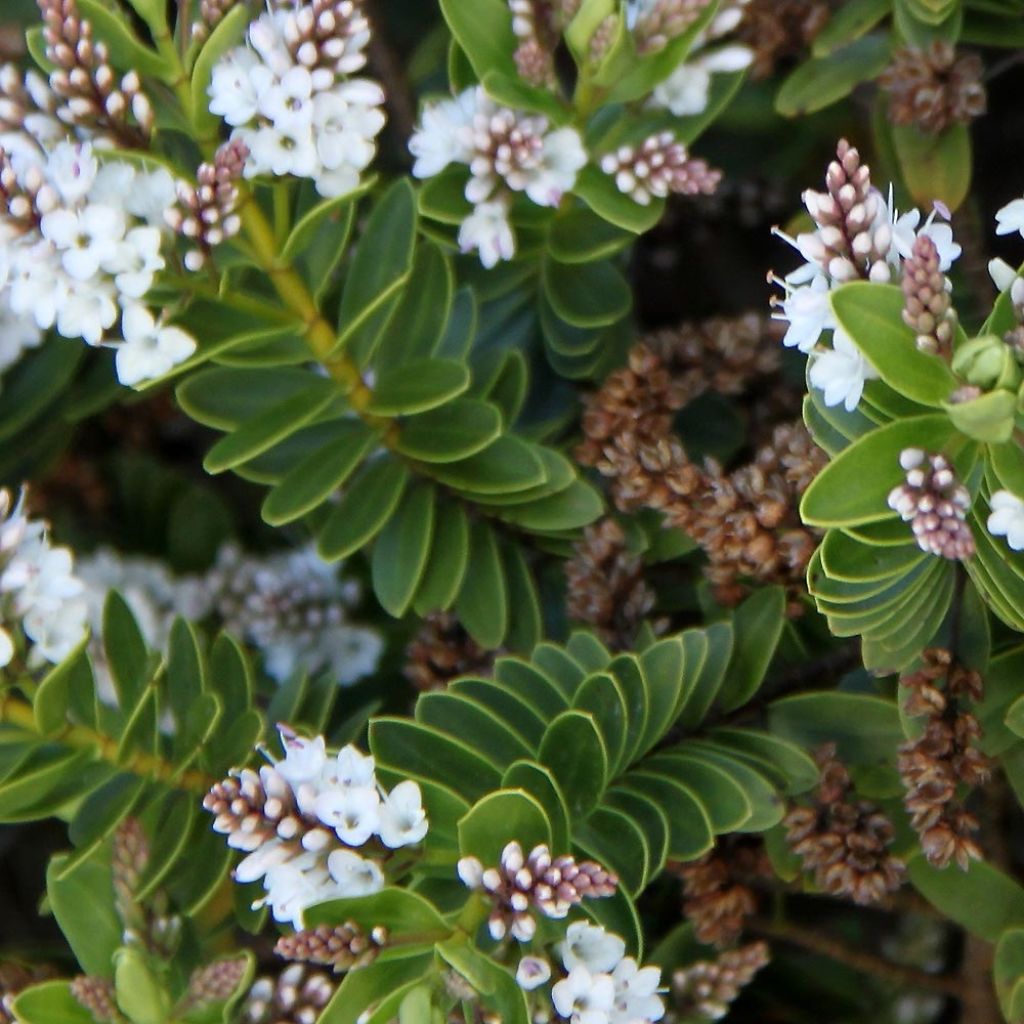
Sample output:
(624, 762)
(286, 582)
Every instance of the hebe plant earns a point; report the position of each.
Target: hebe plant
(689, 683)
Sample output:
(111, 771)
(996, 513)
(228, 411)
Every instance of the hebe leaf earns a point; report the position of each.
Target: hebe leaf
(575, 752)
(368, 503)
(498, 819)
(401, 551)
(462, 717)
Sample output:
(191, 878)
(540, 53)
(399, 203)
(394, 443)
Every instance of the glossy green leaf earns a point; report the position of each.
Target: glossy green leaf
(690, 833)
(229, 32)
(482, 604)
(449, 557)
(461, 429)
(83, 904)
(400, 552)
(599, 191)
(50, 1003)
(872, 315)
(370, 500)
(319, 475)
(476, 725)
(536, 780)
(500, 818)
(575, 752)
(417, 386)
(848, 23)
(507, 466)
(127, 52)
(854, 487)
(757, 627)
(822, 81)
(935, 167)
(587, 295)
(126, 651)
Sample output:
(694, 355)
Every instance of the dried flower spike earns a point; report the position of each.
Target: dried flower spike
(538, 882)
(844, 841)
(935, 503)
(944, 761)
(441, 651)
(715, 900)
(934, 88)
(709, 987)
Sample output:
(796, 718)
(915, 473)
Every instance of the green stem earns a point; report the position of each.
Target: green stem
(19, 713)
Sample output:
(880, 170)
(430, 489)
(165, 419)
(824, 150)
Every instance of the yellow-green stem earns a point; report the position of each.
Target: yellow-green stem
(18, 712)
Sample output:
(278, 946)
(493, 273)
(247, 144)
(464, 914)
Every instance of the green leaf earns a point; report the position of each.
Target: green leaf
(588, 294)
(449, 557)
(462, 428)
(1008, 973)
(363, 989)
(727, 805)
(495, 983)
(849, 23)
(649, 818)
(982, 899)
(33, 383)
(140, 993)
(690, 833)
(229, 33)
(662, 668)
(500, 818)
(506, 466)
(599, 191)
(53, 699)
(370, 500)
(277, 423)
(50, 1003)
(616, 841)
(417, 386)
(126, 651)
(526, 626)
(872, 315)
(484, 31)
(786, 764)
(854, 487)
(575, 752)
(83, 904)
(757, 627)
(126, 51)
(865, 729)
(532, 684)
(704, 689)
(511, 708)
(419, 750)
(576, 506)
(399, 910)
(822, 81)
(600, 696)
(382, 261)
(580, 236)
(319, 475)
(400, 552)
(935, 167)
(767, 806)
(482, 604)
(474, 724)
(302, 235)
(541, 785)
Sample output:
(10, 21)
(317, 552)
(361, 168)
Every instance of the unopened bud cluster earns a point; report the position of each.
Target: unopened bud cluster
(297, 995)
(708, 987)
(935, 503)
(944, 763)
(843, 841)
(535, 25)
(655, 23)
(97, 996)
(206, 212)
(535, 882)
(853, 235)
(927, 306)
(212, 984)
(91, 96)
(657, 167)
(343, 947)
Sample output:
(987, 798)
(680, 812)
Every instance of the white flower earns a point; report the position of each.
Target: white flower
(353, 768)
(562, 157)
(1002, 274)
(86, 239)
(636, 991)
(304, 759)
(403, 822)
(354, 875)
(584, 998)
(589, 945)
(149, 349)
(232, 92)
(841, 372)
(352, 811)
(289, 103)
(1007, 519)
(532, 972)
(808, 311)
(71, 169)
(685, 92)
(135, 262)
(292, 887)
(151, 195)
(87, 310)
(1010, 218)
(265, 857)
(6, 648)
(905, 233)
(445, 135)
(487, 231)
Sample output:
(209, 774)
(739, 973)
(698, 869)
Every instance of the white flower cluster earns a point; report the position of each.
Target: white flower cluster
(1007, 518)
(18, 333)
(601, 985)
(80, 246)
(340, 808)
(506, 152)
(288, 96)
(882, 239)
(41, 599)
(291, 606)
(685, 93)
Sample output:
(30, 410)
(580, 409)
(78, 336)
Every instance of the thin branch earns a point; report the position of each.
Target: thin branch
(866, 963)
